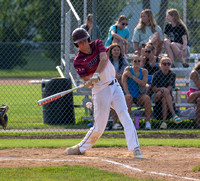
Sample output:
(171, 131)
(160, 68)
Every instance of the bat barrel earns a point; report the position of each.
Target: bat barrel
(61, 110)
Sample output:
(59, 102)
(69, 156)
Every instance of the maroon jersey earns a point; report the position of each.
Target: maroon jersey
(86, 64)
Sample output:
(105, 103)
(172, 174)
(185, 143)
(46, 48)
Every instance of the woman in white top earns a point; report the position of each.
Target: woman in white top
(147, 30)
(193, 94)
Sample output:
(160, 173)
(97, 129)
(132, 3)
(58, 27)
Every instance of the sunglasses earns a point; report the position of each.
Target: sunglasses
(148, 51)
(135, 61)
(143, 45)
(124, 24)
(166, 63)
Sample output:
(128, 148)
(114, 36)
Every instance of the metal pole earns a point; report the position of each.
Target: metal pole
(94, 10)
(67, 42)
(185, 11)
(62, 31)
(85, 10)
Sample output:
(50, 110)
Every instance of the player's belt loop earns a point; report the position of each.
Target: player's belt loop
(113, 81)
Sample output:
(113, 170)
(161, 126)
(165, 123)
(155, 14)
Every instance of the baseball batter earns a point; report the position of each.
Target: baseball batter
(93, 66)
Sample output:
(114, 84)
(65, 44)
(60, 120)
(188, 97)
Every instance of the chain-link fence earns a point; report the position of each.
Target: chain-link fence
(37, 49)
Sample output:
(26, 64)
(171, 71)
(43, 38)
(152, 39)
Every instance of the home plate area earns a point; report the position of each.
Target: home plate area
(161, 162)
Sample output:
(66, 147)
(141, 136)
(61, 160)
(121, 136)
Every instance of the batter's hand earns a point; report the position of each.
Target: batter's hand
(95, 78)
(88, 84)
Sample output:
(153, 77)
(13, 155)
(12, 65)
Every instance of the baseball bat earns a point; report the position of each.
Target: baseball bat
(53, 97)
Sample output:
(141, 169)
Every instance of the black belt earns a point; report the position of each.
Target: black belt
(113, 81)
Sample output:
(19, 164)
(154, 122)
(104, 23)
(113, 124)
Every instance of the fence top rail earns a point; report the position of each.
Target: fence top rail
(74, 11)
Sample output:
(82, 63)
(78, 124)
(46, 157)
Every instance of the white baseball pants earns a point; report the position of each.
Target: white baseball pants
(111, 96)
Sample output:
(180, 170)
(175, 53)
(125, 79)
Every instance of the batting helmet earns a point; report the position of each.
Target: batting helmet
(80, 34)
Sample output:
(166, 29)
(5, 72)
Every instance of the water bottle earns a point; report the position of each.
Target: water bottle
(178, 95)
(137, 120)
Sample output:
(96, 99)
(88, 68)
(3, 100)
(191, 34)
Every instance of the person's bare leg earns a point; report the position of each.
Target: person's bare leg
(168, 50)
(198, 112)
(177, 52)
(164, 109)
(129, 103)
(193, 96)
(169, 102)
(157, 43)
(144, 100)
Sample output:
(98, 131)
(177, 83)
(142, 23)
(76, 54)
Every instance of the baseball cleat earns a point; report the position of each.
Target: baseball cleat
(74, 150)
(138, 154)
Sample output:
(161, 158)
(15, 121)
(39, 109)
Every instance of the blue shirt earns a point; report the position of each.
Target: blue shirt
(132, 85)
(124, 33)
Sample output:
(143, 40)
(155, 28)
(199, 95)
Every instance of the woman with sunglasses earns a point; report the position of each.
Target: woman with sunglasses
(147, 30)
(176, 38)
(119, 33)
(193, 95)
(151, 63)
(162, 84)
(120, 63)
(133, 78)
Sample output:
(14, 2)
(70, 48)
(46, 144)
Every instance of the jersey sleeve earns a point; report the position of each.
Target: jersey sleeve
(100, 46)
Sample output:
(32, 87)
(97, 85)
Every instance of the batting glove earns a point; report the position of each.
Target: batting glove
(88, 84)
(95, 78)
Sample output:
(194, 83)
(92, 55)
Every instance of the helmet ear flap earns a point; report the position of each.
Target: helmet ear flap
(76, 45)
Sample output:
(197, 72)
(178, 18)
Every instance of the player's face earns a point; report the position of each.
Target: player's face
(83, 44)
(116, 52)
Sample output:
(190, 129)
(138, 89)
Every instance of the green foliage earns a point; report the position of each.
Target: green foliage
(196, 169)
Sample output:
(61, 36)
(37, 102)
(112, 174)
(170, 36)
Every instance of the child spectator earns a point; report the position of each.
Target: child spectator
(119, 33)
(88, 26)
(120, 63)
(162, 84)
(133, 79)
(147, 30)
(193, 94)
(176, 38)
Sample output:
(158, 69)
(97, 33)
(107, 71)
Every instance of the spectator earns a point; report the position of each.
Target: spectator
(193, 94)
(120, 63)
(176, 38)
(147, 30)
(151, 63)
(88, 26)
(162, 84)
(133, 79)
(119, 33)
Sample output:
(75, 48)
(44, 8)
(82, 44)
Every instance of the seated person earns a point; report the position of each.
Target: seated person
(119, 33)
(162, 84)
(193, 95)
(133, 79)
(151, 63)
(88, 26)
(120, 63)
(147, 30)
(176, 38)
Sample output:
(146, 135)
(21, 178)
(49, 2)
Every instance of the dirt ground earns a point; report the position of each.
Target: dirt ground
(166, 163)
